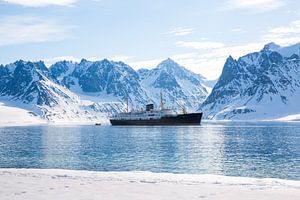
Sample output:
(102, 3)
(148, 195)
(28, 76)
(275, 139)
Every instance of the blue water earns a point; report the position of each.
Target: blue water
(257, 149)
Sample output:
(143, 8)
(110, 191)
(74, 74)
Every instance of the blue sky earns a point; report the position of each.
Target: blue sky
(197, 34)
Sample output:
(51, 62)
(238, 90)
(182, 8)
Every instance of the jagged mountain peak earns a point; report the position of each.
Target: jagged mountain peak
(229, 71)
(177, 82)
(271, 46)
(104, 62)
(285, 51)
(170, 66)
(167, 61)
(259, 85)
(83, 60)
(177, 70)
(39, 65)
(30, 82)
(110, 79)
(61, 68)
(229, 60)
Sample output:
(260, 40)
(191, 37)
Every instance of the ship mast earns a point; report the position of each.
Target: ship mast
(161, 101)
(127, 104)
(184, 111)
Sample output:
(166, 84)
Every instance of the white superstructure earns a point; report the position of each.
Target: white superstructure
(144, 115)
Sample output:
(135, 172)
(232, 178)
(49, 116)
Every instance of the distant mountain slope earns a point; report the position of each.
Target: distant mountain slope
(176, 82)
(260, 85)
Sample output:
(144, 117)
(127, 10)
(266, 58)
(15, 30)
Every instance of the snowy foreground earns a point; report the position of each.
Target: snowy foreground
(67, 184)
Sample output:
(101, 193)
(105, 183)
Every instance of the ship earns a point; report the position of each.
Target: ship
(155, 117)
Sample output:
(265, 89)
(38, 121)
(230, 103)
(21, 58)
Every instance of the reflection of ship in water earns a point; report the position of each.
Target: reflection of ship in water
(151, 116)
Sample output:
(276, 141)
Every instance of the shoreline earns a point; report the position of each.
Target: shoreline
(74, 184)
(106, 123)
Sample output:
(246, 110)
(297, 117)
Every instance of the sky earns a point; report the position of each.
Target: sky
(197, 34)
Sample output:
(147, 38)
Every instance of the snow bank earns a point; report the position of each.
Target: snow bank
(295, 117)
(12, 116)
(66, 184)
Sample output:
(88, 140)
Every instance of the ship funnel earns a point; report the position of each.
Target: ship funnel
(149, 107)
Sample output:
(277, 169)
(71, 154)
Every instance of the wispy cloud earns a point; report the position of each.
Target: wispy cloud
(210, 62)
(200, 45)
(40, 3)
(238, 30)
(284, 35)
(180, 31)
(208, 57)
(49, 61)
(122, 58)
(29, 29)
(258, 5)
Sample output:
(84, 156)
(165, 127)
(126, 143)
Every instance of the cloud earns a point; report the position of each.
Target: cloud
(49, 61)
(122, 58)
(28, 29)
(180, 31)
(208, 58)
(209, 63)
(258, 5)
(200, 45)
(238, 30)
(40, 3)
(284, 35)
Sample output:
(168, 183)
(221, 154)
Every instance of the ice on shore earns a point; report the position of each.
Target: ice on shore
(50, 184)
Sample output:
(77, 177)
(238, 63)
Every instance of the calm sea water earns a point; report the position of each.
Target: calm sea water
(257, 149)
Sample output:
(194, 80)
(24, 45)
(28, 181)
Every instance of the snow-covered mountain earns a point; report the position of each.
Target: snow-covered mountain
(177, 83)
(104, 80)
(29, 82)
(260, 85)
(89, 91)
(31, 86)
(111, 81)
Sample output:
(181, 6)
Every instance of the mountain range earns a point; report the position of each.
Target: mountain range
(258, 86)
(89, 91)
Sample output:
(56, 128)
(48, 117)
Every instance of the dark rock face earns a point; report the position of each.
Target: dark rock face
(60, 68)
(166, 81)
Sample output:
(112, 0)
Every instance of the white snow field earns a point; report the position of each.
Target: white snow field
(13, 116)
(35, 184)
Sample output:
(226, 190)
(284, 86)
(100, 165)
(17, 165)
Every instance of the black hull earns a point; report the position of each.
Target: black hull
(182, 119)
